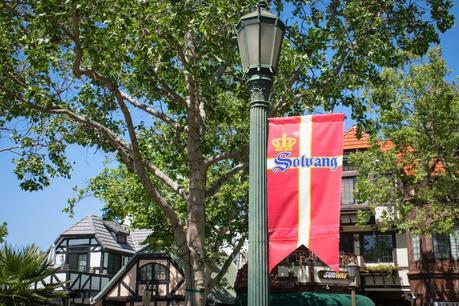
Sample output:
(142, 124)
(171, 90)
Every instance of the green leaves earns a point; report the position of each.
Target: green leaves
(3, 231)
(20, 269)
(159, 84)
(412, 166)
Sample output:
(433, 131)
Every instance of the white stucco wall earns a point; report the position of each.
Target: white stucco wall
(94, 261)
(401, 250)
(59, 260)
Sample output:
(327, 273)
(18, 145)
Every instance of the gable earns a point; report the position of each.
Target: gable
(130, 283)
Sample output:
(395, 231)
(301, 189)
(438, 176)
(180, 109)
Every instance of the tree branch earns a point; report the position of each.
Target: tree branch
(222, 231)
(279, 104)
(171, 93)
(160, 115)
(167, 180)
(217, 279)
(139, 163)
(11, 149)
(223, 156)
(215, 187)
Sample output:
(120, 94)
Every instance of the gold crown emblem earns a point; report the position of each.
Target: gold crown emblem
(284, 143)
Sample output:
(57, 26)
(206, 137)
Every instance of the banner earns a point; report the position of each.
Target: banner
(305, 157)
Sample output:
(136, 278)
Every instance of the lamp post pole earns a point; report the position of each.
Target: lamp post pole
(259, 36)
(354, 303)
(258, 285)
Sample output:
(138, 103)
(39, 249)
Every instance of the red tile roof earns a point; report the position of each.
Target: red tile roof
(351, 142)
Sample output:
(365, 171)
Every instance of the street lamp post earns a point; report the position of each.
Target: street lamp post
(353, 271)
(259, 36)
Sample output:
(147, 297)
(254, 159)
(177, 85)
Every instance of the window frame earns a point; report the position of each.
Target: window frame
(416, 250)
(362, 247)
(352, 178)
(352, 246)
(111, 268)
(146, 281)
(121, 238)
(78, 254)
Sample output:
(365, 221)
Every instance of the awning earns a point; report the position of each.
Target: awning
(309, 299)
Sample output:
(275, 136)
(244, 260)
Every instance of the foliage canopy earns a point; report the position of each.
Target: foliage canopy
(411, 171)
(157, 85)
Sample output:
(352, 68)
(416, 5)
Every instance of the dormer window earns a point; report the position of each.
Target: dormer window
(121, 238)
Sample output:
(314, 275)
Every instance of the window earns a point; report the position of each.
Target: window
(153, 273)
(446, 246)
(347, 190)
(78, 262)
(346, 165)
(346, 243)
(377, 248)
(79, 241)
(114, 263)
(454, 241)
(441, 246)
(121, 238)
(416, 247)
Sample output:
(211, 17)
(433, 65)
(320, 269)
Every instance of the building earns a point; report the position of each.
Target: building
(428, 272)
(434, 269)
(382, 256)
(89, 254)
(101, 263)
(156, 278)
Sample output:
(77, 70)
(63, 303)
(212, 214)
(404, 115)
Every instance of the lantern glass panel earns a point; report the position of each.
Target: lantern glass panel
(277, 45)
(253, 43)
(267, 35)
(352, 269)
(242, 43)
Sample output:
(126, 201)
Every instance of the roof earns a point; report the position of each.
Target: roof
(352, 142)
(105, 232)
(139, 237)
(116, 228)
(217, 295)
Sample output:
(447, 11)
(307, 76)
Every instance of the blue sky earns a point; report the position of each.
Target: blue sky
(37, 217)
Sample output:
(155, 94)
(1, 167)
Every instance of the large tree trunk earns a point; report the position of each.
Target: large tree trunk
(197, 289)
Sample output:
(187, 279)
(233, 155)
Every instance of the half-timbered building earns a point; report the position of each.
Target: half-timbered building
(89, 254)
(153, 279)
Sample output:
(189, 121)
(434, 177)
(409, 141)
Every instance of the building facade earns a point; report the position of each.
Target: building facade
(100, 263)
(428, 267)
(434, 269)
(155, 279)
(382, 256)
(89, 254)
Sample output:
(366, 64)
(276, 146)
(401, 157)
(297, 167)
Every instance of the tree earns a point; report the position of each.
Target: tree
(3, 231)
(157, 85)
(411, 170)
(20, 270)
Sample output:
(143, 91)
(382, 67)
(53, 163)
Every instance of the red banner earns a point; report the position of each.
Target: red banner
(304, 186)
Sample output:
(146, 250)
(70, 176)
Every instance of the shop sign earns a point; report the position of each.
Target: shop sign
(333, 275)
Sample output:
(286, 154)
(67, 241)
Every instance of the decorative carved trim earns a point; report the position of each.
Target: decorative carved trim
(260, 90)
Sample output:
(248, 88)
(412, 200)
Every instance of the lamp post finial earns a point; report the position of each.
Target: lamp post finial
(263, 4)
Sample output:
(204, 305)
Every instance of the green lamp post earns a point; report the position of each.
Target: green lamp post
(259, 36)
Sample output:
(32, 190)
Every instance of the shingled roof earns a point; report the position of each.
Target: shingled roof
(105, 232)
(352, 142)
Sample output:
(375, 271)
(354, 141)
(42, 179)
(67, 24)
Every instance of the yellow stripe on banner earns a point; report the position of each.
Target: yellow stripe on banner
(304, 183)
